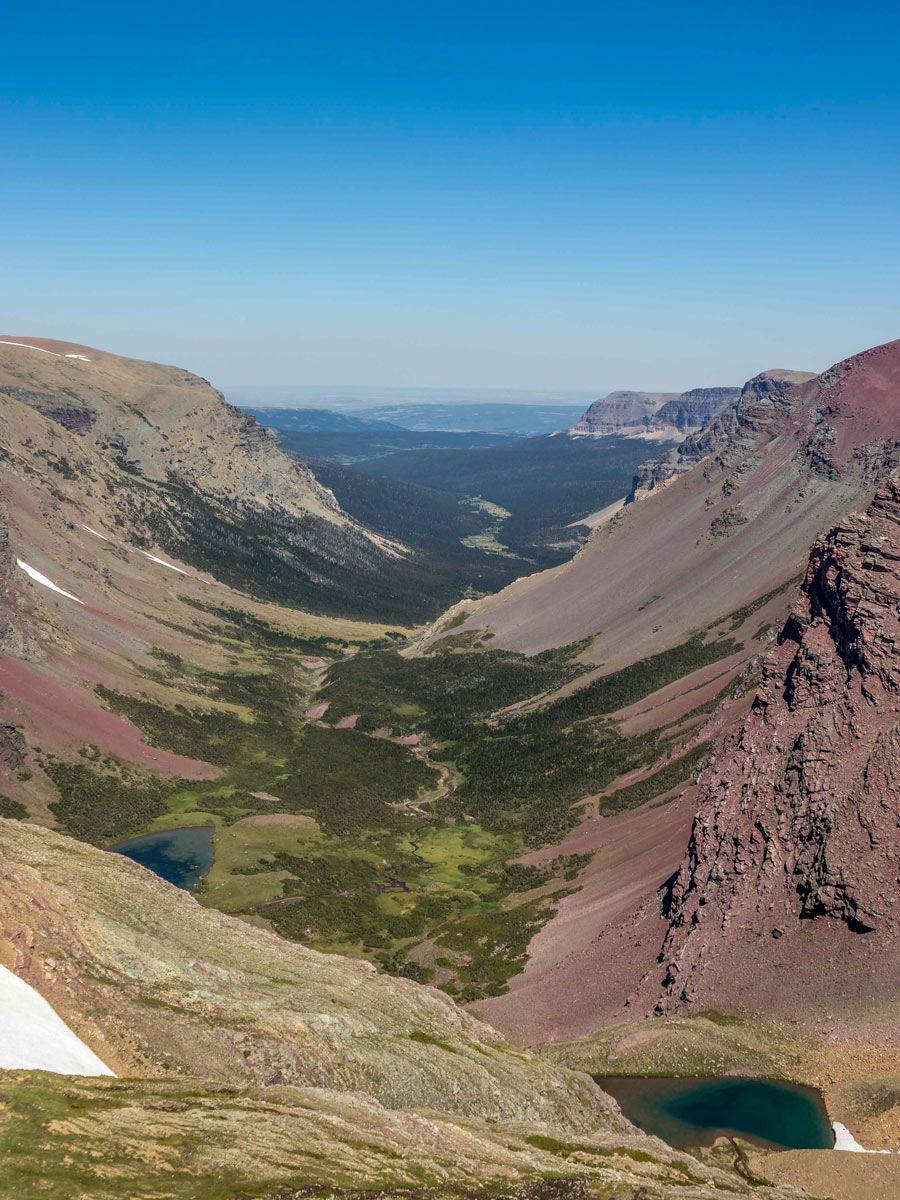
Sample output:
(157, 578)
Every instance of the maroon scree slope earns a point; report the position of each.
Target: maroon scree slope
(791, 845)
(801, 452)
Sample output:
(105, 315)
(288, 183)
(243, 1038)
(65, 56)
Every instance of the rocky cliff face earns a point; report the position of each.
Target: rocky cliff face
(719, 549)
(696, 408)
(799, 810)
(658, 416)
(161, 423)
(153, 456)
(708, 422)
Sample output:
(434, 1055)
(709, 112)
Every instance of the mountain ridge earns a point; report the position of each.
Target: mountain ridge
(739, 523)
(661, 620)
(818, 749)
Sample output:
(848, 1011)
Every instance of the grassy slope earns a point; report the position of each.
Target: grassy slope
(178, 1140)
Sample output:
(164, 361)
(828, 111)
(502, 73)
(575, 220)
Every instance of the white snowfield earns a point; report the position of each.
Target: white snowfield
(35, 1038)
(26, 346)
(45, 582)
(162, 562)
(844, 1140)
(102, 536)
(41, 350)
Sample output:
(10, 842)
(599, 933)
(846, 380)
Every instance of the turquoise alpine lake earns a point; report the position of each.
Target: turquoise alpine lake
(180, 856)
(694, 1112)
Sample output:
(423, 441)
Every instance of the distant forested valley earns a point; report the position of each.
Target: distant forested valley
(477, 509)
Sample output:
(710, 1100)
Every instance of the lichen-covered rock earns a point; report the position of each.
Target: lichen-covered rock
(192, 1140)
(157, 985)
(253, 1066)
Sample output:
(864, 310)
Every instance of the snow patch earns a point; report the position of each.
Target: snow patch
(162, 562)
(844, 1140)
(35, 1038)
(40, 349)
(45, 582)
(102, 536)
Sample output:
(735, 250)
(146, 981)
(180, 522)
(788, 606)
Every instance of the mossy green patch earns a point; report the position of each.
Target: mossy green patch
(426, 1039)
(12, 809)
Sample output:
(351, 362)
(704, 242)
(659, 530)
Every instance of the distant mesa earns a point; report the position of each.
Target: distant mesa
(656, 416)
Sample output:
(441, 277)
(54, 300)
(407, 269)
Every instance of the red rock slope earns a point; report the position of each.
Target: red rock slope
(796, 842)
(736, 525)
(789, 887)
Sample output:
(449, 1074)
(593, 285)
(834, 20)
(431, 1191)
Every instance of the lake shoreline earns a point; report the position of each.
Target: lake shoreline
(696, 1110)
(185, 870)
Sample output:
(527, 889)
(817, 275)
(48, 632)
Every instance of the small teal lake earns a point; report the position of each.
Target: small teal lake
(180, 856)
(694, 1112)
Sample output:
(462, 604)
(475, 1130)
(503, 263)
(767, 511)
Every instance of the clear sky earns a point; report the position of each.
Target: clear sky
(551, 195)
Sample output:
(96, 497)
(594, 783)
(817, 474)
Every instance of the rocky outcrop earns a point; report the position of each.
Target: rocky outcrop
(694, 409)
(155, 984)
(253, 1066)
(658, 416)
(645, 580)
(199, 1140)
(12, 746)
(799, 810)
(712, 433)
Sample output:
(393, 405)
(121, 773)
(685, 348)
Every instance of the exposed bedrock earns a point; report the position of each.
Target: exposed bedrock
(696, 408)
(710, 427)
(798, 815)
(655, 414)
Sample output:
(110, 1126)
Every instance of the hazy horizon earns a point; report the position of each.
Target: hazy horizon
(358, 396)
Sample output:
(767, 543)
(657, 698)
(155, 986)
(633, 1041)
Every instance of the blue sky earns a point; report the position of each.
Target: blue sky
(493, 195)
